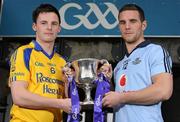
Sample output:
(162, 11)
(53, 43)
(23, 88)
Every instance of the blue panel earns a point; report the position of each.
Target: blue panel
(91, 17)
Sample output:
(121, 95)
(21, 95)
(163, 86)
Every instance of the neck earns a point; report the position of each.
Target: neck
(47, 46)
(131, 46)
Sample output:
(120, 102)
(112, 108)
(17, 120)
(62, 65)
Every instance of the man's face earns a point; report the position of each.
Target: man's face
(131, 27)
(47, 27)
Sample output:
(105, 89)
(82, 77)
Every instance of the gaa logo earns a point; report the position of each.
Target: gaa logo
(83, 19)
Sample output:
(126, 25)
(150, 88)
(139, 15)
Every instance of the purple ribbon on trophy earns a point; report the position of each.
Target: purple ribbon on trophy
(102, 87)
(87, 77)
(73, 94)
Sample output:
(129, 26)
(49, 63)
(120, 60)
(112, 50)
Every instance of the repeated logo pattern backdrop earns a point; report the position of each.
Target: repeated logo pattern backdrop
(91, 17)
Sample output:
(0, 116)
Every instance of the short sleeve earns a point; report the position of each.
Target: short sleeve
(160, 61)
(18, 70)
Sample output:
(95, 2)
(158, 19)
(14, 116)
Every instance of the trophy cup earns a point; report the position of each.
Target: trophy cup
(87, 76)
(86, 73)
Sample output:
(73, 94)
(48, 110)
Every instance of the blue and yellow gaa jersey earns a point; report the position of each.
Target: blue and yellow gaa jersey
(30, 63)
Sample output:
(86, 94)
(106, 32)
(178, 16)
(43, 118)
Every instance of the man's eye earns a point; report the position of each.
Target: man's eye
(122, 22)
(133, 21)
(43, 23)
(55, 23)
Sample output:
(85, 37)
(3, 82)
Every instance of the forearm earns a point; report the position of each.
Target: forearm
(150, 95)
(24, 98)
(146, 96)
(34, 101)
(160, 90)
(143, 97)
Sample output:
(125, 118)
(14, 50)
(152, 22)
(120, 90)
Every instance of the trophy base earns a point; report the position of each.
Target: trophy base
(87, 103)
(86, 106)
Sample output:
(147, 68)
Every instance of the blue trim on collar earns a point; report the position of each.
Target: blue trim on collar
(141, 45)
(38, 47)
(144, 44)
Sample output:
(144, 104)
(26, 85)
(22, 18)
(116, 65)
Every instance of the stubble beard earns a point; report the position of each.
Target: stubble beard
(130, 40)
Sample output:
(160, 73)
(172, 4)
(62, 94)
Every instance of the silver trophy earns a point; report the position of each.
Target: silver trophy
(86, 71)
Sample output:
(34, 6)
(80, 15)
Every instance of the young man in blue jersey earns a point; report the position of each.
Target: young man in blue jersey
(143, 78)
(36, 77)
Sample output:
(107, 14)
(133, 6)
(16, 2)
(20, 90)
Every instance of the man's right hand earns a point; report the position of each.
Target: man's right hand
(68, 72)
(106, 69)
(66, 105)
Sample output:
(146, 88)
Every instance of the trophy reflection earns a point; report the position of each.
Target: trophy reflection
(86, 71)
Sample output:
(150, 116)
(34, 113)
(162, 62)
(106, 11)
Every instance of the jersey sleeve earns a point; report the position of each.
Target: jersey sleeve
(18, 69)
(160, 61)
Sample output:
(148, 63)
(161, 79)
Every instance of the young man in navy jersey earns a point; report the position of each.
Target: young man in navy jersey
(143, 78)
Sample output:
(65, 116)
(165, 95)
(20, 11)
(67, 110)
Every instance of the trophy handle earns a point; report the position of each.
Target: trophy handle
(104, 61)
(101, 63)
(74, 66)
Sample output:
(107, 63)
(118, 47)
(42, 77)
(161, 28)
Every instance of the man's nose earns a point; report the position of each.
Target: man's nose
(49, 26)
(127, 25)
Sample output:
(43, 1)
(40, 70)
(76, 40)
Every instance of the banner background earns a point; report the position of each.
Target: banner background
(162, 16)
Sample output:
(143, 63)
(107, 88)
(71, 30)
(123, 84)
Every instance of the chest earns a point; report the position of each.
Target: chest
(42, 66)
(133, 64)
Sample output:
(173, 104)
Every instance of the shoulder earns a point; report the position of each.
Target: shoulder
(23, 48)
(158, 52)
(20, 53)
(155, 49)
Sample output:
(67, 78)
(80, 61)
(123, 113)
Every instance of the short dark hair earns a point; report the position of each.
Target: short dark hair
(133, 7)
(44, 8)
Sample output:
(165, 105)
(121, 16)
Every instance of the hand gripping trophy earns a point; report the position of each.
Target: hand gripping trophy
(88, 74)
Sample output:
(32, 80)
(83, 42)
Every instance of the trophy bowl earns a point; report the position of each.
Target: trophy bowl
(86, 71)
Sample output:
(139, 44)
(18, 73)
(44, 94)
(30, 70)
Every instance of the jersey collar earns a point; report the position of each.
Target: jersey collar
(141, 45)
(38, 47)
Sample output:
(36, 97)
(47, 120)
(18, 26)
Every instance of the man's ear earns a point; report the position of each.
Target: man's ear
(59, 29)
(144, 25)
(34, 26)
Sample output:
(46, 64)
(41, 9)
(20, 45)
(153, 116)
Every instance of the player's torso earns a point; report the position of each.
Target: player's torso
(46, 74)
